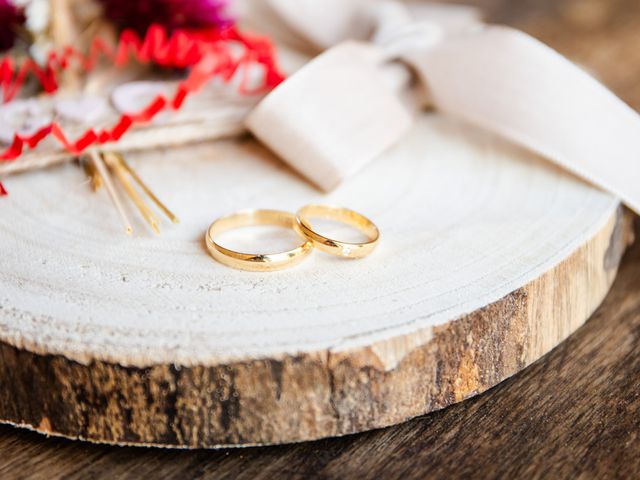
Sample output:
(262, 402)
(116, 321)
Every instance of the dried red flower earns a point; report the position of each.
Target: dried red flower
(172, 14)
(11, 18)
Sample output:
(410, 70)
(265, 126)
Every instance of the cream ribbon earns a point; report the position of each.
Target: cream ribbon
(355, 99)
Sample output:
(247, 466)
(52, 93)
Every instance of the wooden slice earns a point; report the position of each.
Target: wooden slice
(489, 258)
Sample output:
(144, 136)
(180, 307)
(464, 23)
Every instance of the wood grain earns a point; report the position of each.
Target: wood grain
(144, 341)
(189, 353)
(573, 414)
(308, 396)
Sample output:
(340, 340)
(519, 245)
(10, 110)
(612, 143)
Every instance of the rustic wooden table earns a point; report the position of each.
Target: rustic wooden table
(574, 413)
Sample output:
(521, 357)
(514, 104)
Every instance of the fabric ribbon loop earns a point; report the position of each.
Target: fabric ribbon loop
(412, 37)
(326, 119)
(349, 104)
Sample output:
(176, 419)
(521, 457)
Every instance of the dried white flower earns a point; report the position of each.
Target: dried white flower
(38, 13)
(40, 49)
(38, 19)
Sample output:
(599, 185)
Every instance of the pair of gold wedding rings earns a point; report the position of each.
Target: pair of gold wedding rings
(300, 222)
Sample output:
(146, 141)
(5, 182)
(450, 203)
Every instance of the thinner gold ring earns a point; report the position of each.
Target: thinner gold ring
(344, 215)
(252, 261)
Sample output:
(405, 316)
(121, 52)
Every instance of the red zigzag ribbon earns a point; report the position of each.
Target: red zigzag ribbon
(206, 52)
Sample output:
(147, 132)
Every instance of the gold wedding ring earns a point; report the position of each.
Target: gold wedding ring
(344, 215)
(251, 261)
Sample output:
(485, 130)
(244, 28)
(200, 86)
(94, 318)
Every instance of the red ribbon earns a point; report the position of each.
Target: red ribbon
(206, 52)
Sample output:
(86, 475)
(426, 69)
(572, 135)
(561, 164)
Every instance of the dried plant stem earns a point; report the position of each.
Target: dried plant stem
(63, 33)
(108, 183)
(92, 173)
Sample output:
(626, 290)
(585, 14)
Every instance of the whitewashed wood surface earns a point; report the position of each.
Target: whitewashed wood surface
(465, 220)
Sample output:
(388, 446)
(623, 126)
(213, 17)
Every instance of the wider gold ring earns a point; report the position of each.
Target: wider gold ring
(252, 261)
(344, 215)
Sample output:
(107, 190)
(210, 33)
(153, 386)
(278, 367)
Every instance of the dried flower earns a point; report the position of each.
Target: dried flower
(38, 13)
(11, 18)
(172, 14)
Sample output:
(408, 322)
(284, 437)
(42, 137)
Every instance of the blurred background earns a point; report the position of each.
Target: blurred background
(601, 35)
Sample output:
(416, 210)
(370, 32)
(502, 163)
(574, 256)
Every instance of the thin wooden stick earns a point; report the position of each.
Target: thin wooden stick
(113, 162)
(146, 189)
(108, 183)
